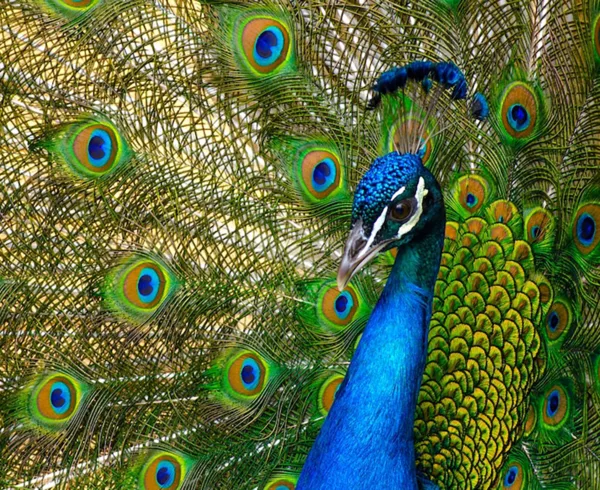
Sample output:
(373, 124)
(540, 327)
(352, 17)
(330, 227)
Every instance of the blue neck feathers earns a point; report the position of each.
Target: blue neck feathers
(367, 437)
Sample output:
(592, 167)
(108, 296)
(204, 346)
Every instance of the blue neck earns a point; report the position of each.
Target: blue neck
(367, 438)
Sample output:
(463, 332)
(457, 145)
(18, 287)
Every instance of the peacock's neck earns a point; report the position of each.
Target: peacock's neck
(367, 437)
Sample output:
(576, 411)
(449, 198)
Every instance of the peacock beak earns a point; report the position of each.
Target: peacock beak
(357, 253)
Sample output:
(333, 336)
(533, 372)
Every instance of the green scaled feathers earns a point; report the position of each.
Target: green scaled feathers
(488, 300)
(176, 186)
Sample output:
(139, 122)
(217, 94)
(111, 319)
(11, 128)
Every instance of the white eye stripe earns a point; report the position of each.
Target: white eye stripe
(414, 219)
(376, 227)
(397, 193)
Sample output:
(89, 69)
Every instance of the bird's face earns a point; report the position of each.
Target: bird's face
(395, 203)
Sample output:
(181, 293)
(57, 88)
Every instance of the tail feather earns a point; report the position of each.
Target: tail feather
(229, 190)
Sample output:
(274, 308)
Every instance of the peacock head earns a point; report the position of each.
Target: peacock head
(397, 202)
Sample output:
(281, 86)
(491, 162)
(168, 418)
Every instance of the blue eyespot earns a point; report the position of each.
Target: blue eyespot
(518, 117)
(269, 46)
(250, 374)
(148, 285)
(553, 321)
(553, 403)
(343, 305)
(60, 397)
(511, 476)
(586, 229)
(471, 200)
(535, 231)
(99, 148)
(324, 175)
(165, 474)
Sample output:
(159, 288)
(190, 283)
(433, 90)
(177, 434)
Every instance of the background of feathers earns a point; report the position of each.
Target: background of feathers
(208, 188)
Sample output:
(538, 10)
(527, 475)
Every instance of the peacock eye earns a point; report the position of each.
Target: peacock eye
(138, 288)
(513, 478)
(328, 391)
(401, 210)
(90, 149)
(265, 44)
(144, 285)
(55, 400)
(163, 471)
(247, 375)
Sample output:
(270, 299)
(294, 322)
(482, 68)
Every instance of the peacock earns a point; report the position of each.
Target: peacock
(300, 244)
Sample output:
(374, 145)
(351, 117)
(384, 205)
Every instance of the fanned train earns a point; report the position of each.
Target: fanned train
(177, 182)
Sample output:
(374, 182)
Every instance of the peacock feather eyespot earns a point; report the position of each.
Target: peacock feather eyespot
(555, 407)
(585, 228)
(327, 392)
(471, 193)
(558, 319)
(502, 211)
(339, 307)
(519, 110)
(282, 482)
(163, 471)
(539, 226)
(55, 400)
(91, 149)
(327, 309)
(513, 477)
(265, 44)
(245, 375)
(320, 173)
(139, 287)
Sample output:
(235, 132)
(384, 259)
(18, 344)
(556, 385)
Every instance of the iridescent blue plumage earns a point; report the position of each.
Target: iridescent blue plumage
(60, 397)
(480, 108)
(586, 229)
(386, 175)
(367, 438)
(165, 474)
(269, 45)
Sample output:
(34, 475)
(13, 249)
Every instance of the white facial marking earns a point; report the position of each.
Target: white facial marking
(414, 219)
(397, 193)
(376, 227)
